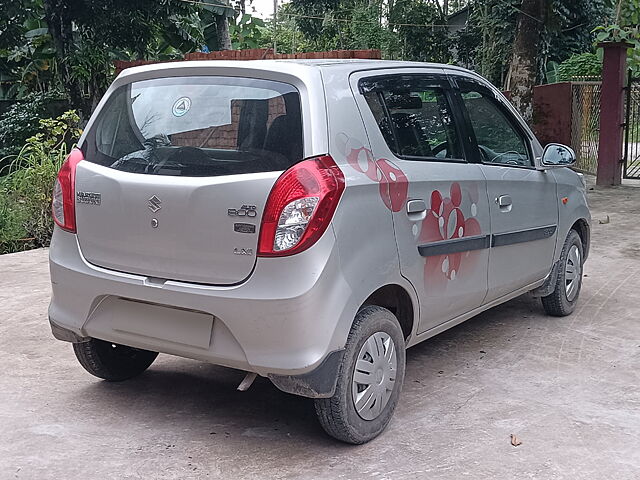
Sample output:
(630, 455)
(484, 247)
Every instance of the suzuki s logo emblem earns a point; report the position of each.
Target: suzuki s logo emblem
(154, 204)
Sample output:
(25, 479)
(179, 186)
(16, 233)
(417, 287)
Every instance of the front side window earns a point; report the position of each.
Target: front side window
(198, 126)
(499, 142)
(414, 118)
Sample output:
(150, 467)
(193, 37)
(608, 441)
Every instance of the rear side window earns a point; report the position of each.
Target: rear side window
(414, 117)
(198, 126)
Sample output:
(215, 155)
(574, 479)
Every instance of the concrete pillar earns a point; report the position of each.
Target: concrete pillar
(614, 69)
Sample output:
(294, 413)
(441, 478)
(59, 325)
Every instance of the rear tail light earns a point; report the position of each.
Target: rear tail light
(63, 204)
(300, 207)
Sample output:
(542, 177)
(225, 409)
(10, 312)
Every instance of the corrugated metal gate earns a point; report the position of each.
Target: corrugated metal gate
(632, 129)
(585, 124)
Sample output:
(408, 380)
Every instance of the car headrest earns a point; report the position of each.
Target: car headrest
(403, 101)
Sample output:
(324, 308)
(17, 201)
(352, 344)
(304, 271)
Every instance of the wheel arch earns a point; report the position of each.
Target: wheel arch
(581, 226)
(398, 301)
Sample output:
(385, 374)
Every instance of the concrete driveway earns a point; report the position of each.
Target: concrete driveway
(568, 388)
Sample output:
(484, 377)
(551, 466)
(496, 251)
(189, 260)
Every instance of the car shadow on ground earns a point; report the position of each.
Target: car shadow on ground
(177, 393)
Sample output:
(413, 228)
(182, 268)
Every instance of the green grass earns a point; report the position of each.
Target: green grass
(25, 198)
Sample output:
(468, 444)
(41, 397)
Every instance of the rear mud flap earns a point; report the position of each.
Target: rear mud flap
(319, 383)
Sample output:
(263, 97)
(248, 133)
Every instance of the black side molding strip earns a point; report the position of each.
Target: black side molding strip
(502, 239)
(456, 245)
(467, 244)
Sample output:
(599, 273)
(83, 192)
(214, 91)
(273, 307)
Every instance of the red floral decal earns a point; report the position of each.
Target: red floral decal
(394, 186)
(445, 221)
(365, 156)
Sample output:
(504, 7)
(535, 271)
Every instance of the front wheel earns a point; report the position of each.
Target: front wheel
(111, 361)
(568, 282)
(369, 379)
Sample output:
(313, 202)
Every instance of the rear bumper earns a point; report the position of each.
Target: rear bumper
(284, 321)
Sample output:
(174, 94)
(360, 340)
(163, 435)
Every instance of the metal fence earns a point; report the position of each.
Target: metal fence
(632, 129)
(585, 124)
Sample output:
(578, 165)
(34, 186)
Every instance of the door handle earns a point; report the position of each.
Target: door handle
(416, 206)
(416, 210)
(504, 201)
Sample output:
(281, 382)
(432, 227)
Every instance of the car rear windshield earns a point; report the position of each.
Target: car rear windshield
(198, 126)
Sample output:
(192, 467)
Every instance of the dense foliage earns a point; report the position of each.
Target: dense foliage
(486, 44)
(579, 66)
(626, 28)
(25, 192)
(21, 121)
(70, 45)
(53, 50)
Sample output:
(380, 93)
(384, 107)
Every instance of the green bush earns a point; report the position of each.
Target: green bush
(582, 65)
(21, 121)
(12, 231)
(25, 192)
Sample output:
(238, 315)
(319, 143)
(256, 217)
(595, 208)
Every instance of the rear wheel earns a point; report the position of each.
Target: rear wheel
(112, 361)
(563, 300)
(369, 379)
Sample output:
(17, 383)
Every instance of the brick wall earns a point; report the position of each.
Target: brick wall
(552, 113)
(225, 136)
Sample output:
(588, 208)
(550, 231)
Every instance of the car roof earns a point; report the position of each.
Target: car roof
(345, 66)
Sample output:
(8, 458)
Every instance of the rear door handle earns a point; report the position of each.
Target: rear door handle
(416, 206)
(503, 201)
(416, 210)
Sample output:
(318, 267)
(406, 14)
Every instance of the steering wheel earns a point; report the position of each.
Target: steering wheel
(486, 153)
(509, 161)
(441, 147)
(489, 156)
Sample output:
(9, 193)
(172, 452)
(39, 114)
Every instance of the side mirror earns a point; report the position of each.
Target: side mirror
(558, 155)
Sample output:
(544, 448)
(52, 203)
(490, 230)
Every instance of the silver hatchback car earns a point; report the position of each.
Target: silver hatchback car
(306, 221)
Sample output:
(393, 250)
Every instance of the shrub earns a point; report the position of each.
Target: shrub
(26, 189)
(21, 121)
(582, 65)
(12, 232)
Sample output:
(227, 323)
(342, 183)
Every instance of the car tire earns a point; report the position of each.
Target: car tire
(375, 330)
(568, 280)
(111, 361)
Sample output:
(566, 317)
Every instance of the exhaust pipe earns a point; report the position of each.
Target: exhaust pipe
(247, 381)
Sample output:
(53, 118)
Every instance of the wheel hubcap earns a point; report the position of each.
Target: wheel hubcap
(572, 272)
(374, 377)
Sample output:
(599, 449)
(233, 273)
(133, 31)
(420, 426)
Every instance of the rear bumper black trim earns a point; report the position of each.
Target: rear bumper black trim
(530, 235)
(66, 335)
(456, 245)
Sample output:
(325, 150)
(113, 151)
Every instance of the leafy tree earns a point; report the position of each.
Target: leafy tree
(487, 42)
(247, 32)
(421, 32)
(569, 29)
(524, 58)
(400, 28)
(625, 27)
(77, 40)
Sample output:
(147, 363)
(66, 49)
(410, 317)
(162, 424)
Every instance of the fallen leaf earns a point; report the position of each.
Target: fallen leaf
(514, 441)
(605, 221)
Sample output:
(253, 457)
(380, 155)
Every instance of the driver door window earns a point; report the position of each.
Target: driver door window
(499, 142)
